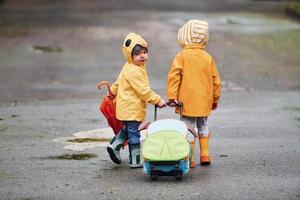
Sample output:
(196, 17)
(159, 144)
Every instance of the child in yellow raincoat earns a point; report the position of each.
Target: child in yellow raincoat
(132, 91)
(194, 80)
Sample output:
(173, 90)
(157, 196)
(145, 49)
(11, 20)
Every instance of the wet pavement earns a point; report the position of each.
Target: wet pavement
(52, 136)
(254, 147)
(93, 53)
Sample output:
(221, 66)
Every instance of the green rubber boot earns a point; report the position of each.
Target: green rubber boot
(115, 145)
(135, 156)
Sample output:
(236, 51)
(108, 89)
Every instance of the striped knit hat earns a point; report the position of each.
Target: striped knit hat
(193, 32)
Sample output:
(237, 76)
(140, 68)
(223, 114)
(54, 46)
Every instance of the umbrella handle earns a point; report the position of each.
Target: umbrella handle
(104, 82)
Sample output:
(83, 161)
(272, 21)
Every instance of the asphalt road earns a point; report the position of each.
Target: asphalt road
(254, 147)
(49, 74)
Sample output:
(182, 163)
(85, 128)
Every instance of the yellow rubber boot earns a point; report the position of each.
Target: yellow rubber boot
(192, 154)
(204, 150)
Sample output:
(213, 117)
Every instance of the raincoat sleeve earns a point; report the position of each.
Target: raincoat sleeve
(216, 82)
(140, 83)
(174, 77)
(114, 87)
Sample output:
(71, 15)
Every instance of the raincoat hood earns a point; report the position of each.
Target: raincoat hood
(131, 40)
(194, 32)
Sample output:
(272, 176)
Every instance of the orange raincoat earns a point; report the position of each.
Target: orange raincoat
(193, 78)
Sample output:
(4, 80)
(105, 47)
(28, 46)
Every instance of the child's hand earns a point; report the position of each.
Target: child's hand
(110, 96)
(214, 106)
(172, 103)
(144, 125)
(162, 104)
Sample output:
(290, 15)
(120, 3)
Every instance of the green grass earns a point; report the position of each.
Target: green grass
(3, 128)
(12, 28)
(282, 47)
(287, 40)
(293, 9)
(292, 108)
(296, 6)
(82, 156)
(12, 32)
(47, 49)
(83, 140)
(2, 174)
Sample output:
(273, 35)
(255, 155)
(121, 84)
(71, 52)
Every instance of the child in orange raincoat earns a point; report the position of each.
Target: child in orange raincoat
(132, 90)
(194, 80)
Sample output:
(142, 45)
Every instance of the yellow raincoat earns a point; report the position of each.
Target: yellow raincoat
(193, 78)
(132, 88)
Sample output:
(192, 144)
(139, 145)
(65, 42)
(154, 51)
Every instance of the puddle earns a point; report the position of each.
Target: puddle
(87, 139)
(82, 156)
(223, 155)
(90, 139)
(47, 49)
(81, 140)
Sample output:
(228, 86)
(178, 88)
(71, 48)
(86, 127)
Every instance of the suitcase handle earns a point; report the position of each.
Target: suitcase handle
(170, 104)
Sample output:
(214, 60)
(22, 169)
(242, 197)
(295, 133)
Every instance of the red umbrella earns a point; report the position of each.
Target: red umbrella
(108, 109)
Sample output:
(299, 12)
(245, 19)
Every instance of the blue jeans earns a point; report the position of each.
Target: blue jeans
(131, 129)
